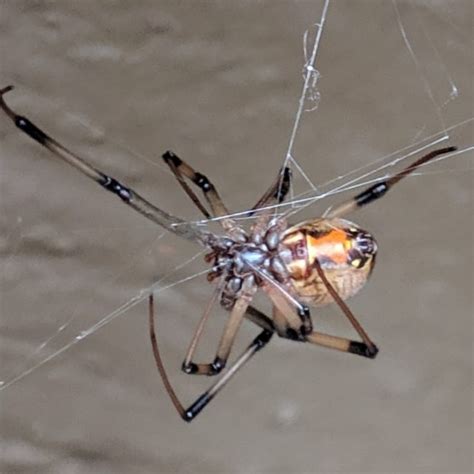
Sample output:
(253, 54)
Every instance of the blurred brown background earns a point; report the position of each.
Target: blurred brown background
(218, 82)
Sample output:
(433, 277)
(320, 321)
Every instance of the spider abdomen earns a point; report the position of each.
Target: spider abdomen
(345, 252)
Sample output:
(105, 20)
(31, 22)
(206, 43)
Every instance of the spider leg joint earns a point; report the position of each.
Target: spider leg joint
(170, 157)
(362, 349)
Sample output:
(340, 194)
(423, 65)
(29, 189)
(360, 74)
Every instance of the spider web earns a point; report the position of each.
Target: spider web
(435, 83)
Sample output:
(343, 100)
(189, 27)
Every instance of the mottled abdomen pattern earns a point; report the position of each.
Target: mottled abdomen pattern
(345, 252)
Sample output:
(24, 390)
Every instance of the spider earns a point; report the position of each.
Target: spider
(316, 262)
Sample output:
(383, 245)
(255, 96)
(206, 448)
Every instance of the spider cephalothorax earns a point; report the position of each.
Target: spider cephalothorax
(312, 263)
(246, 264)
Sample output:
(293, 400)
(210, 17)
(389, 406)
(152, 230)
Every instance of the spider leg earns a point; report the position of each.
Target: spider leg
(128, 196)
(181, 169)
(277, 191)
(258, 318)
(225, 344)
(188, 366)
(170, 159)
(287, 325)
(252, 314)
(284, 320)
(256, 345)
(371, 349)
(159, 362)
(378, 190)
(342, 344)
(196, 407)
(292, 319)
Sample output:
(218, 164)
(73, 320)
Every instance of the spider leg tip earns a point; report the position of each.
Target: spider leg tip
(169, 156)
(3, 104)
(362, 349)
(6, 89)
(443, 151)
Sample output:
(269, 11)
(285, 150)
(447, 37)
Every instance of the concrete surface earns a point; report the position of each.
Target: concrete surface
(218, 82)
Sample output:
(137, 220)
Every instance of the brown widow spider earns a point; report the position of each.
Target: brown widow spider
(316, 262)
